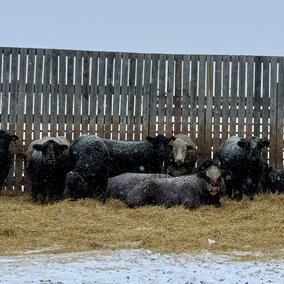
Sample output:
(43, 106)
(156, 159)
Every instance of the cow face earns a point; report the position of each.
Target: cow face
(76, 185)
(212, 175)
(51, 152)
(253, 147)
(5, 139)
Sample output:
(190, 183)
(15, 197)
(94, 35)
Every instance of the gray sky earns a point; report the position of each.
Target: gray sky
(234, 27)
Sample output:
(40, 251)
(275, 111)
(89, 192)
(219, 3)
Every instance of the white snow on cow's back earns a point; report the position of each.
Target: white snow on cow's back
(135, 266)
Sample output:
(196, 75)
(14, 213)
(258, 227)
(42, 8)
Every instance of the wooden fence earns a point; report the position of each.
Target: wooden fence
(128, 96)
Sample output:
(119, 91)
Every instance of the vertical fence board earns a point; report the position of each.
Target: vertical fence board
(202, 147)
(177, 96)
(124, 91)
(225, 96)
(78, 95)
(257, 95)
(265, 104)
(5, 88)
(109, 93)
(46, 93)
(249, 106)
(62, 92)
(193, 98)
(185, 94)
(30, 96)
(54, 93)
(273, 112)
(209, 108)
(169, 100)
(153, 96)
(217, 106)
(280, 115)
(38, 93)
(162, 94)
(146, 96)
(242, 96)
(85, 92)
(234, 93)
(94, 93)
(138, 96)
(116, 96)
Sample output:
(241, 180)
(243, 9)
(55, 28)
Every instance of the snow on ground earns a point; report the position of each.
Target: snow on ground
(135, 266)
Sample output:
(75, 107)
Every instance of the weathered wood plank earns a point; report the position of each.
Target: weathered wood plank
(177, 96)
(273, 113)
(249, 107)
(94, 93)
(116, 96)
(242, 96)
(46, 92)
(234, 94)
(109, 94)
(62, 92)
(38, 93)
(265, 104)
(169, 100)
(225, 97)
(162, 94)
(85, 92)
(30, 96)
(146, 96)
(124, 95)
(193, 98)
(54, 92)
(5, 89)
(153, 96)
(138, 97)
(257, 95)
(78, 95)
(70, 93)
(280, 115)
(209, 108)
(185, 94)
(217, 106)
(202, 148)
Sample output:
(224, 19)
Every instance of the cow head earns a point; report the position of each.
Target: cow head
(253, 146)
(212, 174)
(76, 185)
(5, 139)
(180, 152)
(51, 151)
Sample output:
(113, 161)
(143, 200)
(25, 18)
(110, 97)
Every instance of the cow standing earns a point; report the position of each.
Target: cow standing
(241, 157)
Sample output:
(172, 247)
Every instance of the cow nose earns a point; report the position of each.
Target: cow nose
(50, 162)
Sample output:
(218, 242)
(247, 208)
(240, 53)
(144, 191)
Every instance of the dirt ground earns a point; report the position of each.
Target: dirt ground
(135, 266)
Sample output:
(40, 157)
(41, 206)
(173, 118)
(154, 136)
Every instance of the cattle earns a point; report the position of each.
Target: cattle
(274, 179)
(119, 186)
(5, 155)
(145, 156)
(182, 155)
(242, 158)
(90, 164)
(47, 163)
(190, 191)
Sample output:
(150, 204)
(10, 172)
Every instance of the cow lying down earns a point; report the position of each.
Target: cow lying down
(192, 191)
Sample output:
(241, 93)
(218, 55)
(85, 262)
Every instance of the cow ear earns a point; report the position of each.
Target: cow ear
(150, 139)
(242, 143)
(14, 137)
(264, 143)
(37, 147)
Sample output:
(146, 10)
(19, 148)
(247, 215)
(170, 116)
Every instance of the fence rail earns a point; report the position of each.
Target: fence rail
(129, 96)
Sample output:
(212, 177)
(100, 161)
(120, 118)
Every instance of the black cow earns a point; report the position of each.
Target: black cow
(191, 191)
(47, 163)
(242, 158)
(5, 155)
(90, 168)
